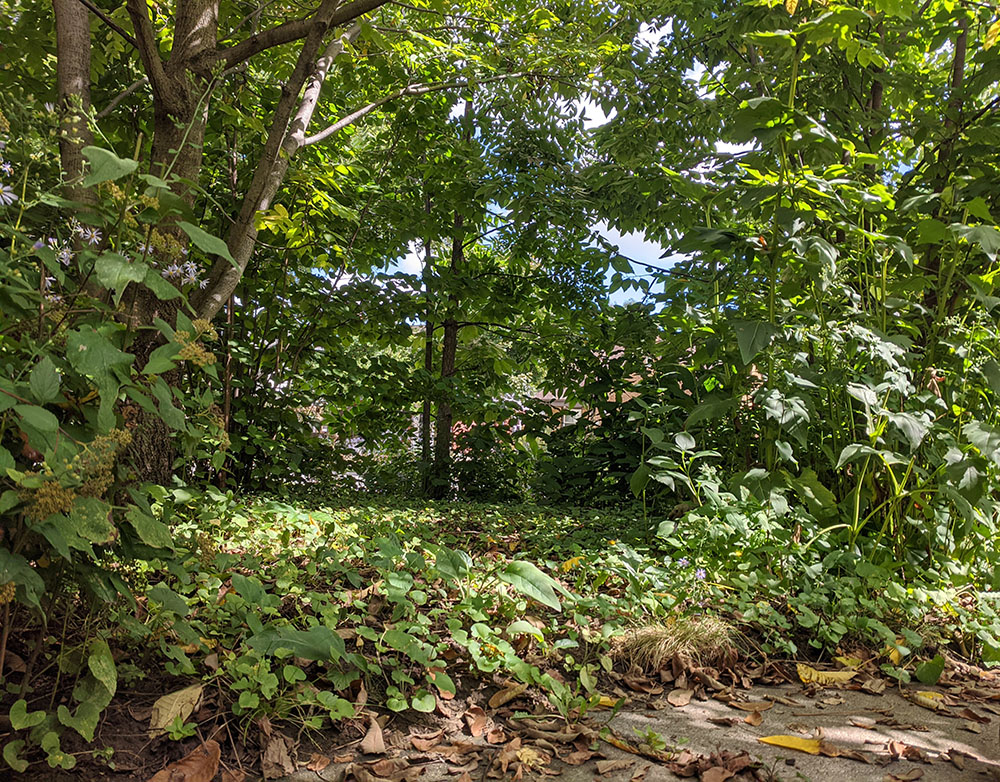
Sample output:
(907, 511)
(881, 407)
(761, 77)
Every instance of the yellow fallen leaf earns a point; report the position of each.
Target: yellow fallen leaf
(811, 746)
(896, 651)
(177, 704)
(928, 699)
(570, 563)
(808, 674)
(850, 662)
(607, 702)
(507, 695)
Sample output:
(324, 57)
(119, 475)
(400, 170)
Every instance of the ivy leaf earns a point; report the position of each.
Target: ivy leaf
(12, 755)
(106, 166)
(21, 719)
(44, 381)
(453, 565)
(532, 582)
(205, 242)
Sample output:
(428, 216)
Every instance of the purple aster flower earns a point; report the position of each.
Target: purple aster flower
(91, 236)
(38, 245)
(700, 574)
(52, 242)
(683, 562)
(6, 168)
(65, 256)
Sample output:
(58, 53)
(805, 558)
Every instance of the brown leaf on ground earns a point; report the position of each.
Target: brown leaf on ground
(899, 750)
(873, 686)
(863, 722)
(904, 776)
(969, 714)
(317, 762)
(374, 742)
(276, 762)
(754, 718)
(197, 766)
(972, 727)
(751, 705)
(680, 698)
(389, 767)
(578, 757)
(607, 766)
(726, 722)
(476, 719)
(640, 774)
(233, 775)
(496, 736)
(507, 695)
(716, 774)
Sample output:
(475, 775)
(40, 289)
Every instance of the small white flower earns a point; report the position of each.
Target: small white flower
(91, 236)
(6, 168)
(50, 107)
(65, 256)
(7, 195)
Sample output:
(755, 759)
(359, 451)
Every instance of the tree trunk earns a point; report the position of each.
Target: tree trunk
(73, 82)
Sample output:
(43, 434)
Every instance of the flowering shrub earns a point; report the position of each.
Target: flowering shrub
(76, 406)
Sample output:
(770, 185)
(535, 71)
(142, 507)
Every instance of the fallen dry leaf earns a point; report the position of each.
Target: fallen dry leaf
(232, 775)
(607, 766)
(578, 757)
(374, 742)
(726, 722)
(969, 714)
(680, 698)
(496, 736)
(476, 719)
(905, 776)
(507, 695)
(873, 686)
(810, 675)
(175, 704)
(317, 762)
(972, 727)
(751, 705)
(276, 762)
(197, 766)
(754, 718)
(716, 774)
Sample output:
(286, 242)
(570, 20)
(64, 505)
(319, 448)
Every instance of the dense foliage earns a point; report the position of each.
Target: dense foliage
(357, 254)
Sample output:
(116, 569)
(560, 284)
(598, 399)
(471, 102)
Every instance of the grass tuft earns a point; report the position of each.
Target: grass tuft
(695, 640)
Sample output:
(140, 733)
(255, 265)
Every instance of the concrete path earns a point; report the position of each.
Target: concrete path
(901, 739)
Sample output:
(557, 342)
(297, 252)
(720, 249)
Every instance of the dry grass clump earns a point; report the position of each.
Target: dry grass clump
(698, 641)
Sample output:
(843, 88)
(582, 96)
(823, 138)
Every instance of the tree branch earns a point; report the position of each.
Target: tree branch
(149, 53)
(292, 31)
(410, 89)
(109, 22)
(121, 96)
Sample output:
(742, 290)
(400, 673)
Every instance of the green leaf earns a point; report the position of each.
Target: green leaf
(752, 337)
(151, 531)
(14, 567)
(453, 565)
(12, 754)
(532, 582)
(423, 701)
(524, 626)
(38, 418)
(44, 381)
(163, 289)
(21, 719)
(250, 589)
(929, 671)
(161, 359)
(91, 353)
(205, 242)
(102, 665)
(317, 643)
(106, 166)
(91, 520)
(640, 479)
(169, 599)
(115, 271)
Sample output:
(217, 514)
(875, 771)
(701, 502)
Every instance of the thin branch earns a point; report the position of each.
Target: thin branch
(292, 31)
(109, 22)
(409, 90)
(121, 96)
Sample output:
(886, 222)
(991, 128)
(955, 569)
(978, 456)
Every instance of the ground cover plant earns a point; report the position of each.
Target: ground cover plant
(330, 390)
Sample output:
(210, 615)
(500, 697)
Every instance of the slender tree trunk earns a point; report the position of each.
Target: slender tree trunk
(73, 82)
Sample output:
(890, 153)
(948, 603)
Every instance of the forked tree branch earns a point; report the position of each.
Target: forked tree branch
(292, 31)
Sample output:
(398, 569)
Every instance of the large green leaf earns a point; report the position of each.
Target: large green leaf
(205, 242)
(44, 381)
(753, 336)
(529, 580)
(106, 166)
(317, 643)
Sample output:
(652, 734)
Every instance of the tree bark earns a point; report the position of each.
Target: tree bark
(73, 83)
